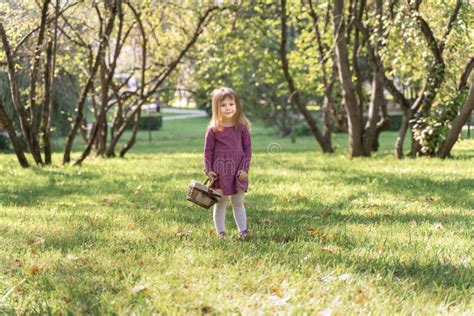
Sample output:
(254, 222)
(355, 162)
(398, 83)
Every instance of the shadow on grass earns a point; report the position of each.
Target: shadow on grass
(446, 192)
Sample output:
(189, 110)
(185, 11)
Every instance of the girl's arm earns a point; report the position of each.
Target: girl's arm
(209, 143)
(247, 147)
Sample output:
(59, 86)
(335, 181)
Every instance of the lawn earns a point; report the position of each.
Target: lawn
(330, 235)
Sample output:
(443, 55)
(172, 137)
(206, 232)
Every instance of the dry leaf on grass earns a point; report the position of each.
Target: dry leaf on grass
(37, 240)
(183, 232)
(439, 225)
(139, 289)
(33, 270)
(72, 257)
(107, 200)
(370, 213)
(360, 300)
(332, 249)
(313, 232)
(345, 277)
(137, 189)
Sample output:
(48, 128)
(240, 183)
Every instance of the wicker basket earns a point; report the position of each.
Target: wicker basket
(202, 195)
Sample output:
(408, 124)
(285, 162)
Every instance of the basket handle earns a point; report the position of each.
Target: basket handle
(210, 184)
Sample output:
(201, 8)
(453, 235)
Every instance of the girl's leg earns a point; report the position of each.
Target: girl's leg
(219, 213)
(240, 215)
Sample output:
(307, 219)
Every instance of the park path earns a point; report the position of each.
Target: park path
(182, 114)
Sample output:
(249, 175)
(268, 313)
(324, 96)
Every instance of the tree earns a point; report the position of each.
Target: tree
(324, 140)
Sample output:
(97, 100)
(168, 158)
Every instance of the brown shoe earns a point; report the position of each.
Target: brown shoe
(244, 234)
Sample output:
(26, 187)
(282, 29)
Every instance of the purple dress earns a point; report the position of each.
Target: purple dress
(226, 152)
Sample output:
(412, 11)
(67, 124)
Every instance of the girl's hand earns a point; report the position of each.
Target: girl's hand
(212, 175)
(242, 175)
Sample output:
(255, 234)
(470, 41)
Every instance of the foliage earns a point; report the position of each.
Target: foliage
(149, 122)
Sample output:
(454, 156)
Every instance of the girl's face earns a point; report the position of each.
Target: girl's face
(227, 109)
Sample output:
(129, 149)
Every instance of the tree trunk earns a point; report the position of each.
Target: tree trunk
(328, 82)
(48, 78)
(376, 101)
(34, 76)
(15, 94)
(7, 123)
(345, 76)
(457, 124)
(325, 144)
(85, 92)
(132, 139)
(402, 134)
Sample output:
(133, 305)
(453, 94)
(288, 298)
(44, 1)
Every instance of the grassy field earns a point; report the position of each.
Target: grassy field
(330, 235)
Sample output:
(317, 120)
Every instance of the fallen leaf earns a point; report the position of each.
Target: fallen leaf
(313, 232)
(138, 289)
(370, 213)
(276, 290)
(107, 200)
(439, 225)
(326, 312)
(345, 276)
(72, 257)
(183, 232)
(131, 226)
(141, 261)
(16, 264)
(37, 240)
(332, 249)
(34, 270)
(137, 189)
(93, 222)
(429, 199)
(206, 309)
(360, 300)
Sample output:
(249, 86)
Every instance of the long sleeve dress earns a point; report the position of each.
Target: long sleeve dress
(226, 152)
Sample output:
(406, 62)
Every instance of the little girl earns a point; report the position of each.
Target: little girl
(227, 154)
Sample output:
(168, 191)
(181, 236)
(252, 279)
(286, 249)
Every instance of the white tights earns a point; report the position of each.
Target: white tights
(238, 208)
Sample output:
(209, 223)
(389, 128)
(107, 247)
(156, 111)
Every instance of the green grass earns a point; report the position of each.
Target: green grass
(329, 234)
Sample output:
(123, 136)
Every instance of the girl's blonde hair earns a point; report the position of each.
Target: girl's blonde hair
(218, 95)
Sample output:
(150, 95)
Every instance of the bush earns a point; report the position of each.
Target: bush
(4, 142)
(395, 121)
(148, 123)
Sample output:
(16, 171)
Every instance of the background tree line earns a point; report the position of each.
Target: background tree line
(308, 66)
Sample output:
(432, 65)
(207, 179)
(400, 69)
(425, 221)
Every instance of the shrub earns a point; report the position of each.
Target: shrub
(148, 123)
(4, 142)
